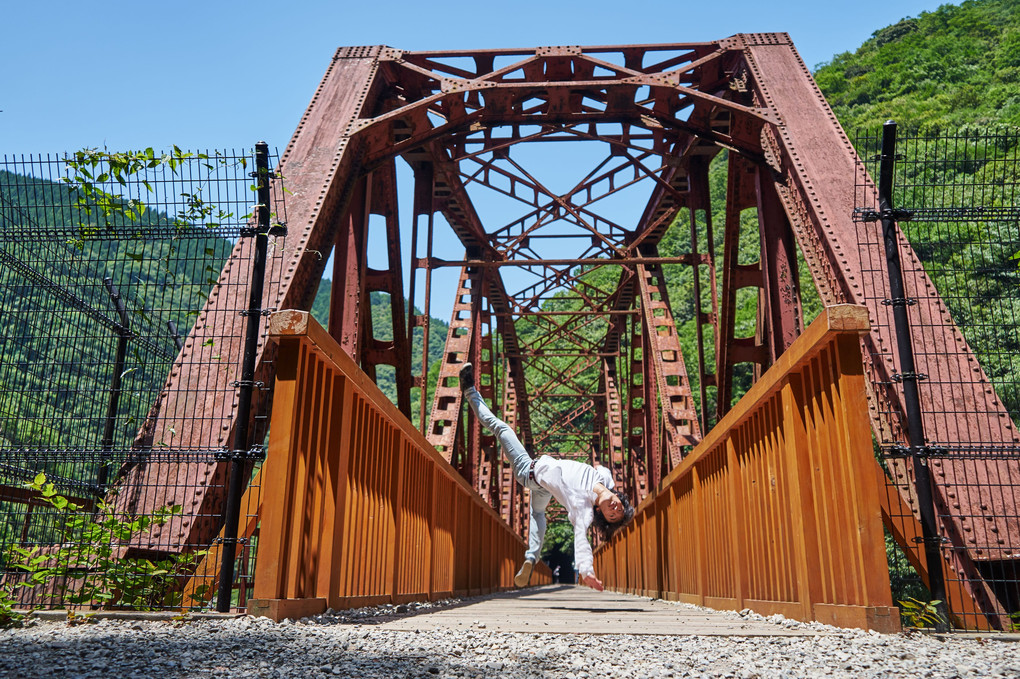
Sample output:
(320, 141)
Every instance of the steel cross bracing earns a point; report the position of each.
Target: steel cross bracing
(578, 304)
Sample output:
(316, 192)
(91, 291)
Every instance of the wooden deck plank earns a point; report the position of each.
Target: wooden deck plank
(569, 609)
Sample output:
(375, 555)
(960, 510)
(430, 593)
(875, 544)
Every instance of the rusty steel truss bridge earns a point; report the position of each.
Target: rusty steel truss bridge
(562, 298)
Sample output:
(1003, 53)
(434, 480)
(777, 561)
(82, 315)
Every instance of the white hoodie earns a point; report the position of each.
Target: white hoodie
(572, 484)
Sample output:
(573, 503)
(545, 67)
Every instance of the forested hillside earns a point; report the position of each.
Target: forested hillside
(957, 66)
(59, 323)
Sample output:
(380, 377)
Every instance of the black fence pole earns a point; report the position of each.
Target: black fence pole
(246, 385)
(909, 376)
(113, 403)
(175, 335)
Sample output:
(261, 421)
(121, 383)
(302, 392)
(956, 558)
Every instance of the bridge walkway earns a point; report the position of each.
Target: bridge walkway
(570, 609)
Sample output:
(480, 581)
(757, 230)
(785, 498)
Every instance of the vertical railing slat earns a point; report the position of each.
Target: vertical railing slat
(800, 501)
(334, 505)
(276, 494)
(869, 513)
(738, 568)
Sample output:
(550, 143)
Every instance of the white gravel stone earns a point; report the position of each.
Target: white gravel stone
(345, 643)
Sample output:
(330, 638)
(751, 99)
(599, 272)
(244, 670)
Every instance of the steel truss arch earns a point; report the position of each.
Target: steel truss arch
(576, 334)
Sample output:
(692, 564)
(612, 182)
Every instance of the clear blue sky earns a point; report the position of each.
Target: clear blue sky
(224, 74)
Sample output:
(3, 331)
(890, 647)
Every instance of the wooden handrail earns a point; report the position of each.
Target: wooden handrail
(357, 508)
(776, 509)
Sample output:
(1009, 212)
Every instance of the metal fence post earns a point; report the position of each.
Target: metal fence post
(123, 335)
(239, 455)
(909, 376)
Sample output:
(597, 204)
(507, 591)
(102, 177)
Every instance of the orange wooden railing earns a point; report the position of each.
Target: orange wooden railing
(777, 510)
(357, 508)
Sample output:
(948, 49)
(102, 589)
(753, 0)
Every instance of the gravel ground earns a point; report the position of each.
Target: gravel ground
(348, 645)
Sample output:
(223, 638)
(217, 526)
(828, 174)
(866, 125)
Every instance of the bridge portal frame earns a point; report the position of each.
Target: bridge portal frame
(749, 95)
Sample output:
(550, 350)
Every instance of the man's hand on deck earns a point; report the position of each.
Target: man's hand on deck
(593, 582)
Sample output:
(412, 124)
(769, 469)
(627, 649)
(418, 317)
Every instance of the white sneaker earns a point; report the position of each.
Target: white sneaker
(524, 575)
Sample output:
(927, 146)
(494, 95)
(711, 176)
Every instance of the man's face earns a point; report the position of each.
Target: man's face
(612, 509)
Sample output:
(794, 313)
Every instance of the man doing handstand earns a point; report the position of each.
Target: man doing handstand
(586, 492)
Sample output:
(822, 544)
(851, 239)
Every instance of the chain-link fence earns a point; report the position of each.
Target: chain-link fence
(947, 391)
(113, 469)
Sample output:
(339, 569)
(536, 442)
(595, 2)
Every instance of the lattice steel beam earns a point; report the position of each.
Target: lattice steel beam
(667, 365)
(446, 403)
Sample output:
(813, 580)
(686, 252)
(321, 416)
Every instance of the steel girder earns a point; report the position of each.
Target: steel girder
(662, 112)
(667, 364)
(350, 314)
(809, 155)
(609, 423)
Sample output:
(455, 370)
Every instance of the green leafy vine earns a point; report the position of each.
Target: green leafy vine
(88, 563)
